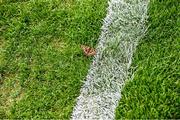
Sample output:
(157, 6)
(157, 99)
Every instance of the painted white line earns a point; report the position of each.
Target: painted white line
(123, 27)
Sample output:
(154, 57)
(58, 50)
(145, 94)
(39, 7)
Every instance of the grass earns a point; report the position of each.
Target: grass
(154, 91)
(41, 64)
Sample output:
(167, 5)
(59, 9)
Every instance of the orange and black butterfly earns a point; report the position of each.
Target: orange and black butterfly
(88, 51)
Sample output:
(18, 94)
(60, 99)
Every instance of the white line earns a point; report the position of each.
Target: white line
(123, 27)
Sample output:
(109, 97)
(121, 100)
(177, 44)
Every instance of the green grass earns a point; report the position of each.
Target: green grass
(154, 91)
(41, 64)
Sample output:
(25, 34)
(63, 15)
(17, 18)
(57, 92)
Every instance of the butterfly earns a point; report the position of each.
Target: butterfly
(88, 51)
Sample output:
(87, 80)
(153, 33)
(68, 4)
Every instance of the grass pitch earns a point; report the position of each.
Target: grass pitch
(42, 66)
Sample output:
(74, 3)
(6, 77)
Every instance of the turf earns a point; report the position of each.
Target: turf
(154, 91)
(41, 64)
